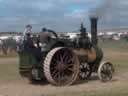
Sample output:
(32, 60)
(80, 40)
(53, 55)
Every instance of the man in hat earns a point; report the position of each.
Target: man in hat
(27, 31)
(44, 35)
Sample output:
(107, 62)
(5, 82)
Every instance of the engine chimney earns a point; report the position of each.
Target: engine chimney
(94, 30)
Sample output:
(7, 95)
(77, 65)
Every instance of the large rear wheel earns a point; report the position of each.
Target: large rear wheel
(61, 66)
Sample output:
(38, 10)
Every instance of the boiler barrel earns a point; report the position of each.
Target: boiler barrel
(99, 55)
(93, 55)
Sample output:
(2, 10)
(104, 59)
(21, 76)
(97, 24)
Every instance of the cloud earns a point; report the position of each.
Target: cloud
(61, 15)
(116, 15)
(40, 13)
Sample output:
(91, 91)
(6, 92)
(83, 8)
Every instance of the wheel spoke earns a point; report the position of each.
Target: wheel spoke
(70, 65)
(70, 61)
(104, 67)
(64, 55)
(54, 72)
(58, 56)
(68, 58)
(65, 59)
(70, 69)
(54, 62)
(56, 75)
(110, 68)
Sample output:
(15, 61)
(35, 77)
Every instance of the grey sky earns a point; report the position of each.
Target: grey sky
(61, 15)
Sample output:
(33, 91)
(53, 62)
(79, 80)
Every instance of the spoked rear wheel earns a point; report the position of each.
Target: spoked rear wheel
(105, 71)
(61, 66)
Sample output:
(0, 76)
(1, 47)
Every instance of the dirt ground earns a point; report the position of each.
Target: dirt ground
(23, 88)
(8, 60)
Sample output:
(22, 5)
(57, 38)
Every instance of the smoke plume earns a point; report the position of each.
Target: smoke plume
(101, 10)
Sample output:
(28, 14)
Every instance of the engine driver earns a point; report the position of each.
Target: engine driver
(44, 36)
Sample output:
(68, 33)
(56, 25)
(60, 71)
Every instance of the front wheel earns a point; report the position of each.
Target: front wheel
(105, 71)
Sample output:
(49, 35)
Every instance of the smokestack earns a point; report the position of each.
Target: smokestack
(94, 30)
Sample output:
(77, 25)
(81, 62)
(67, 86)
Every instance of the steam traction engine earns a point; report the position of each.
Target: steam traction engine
(63, 61)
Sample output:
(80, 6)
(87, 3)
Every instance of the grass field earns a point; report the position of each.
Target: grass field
(115, 52)
(13, 54)
(9, 71)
